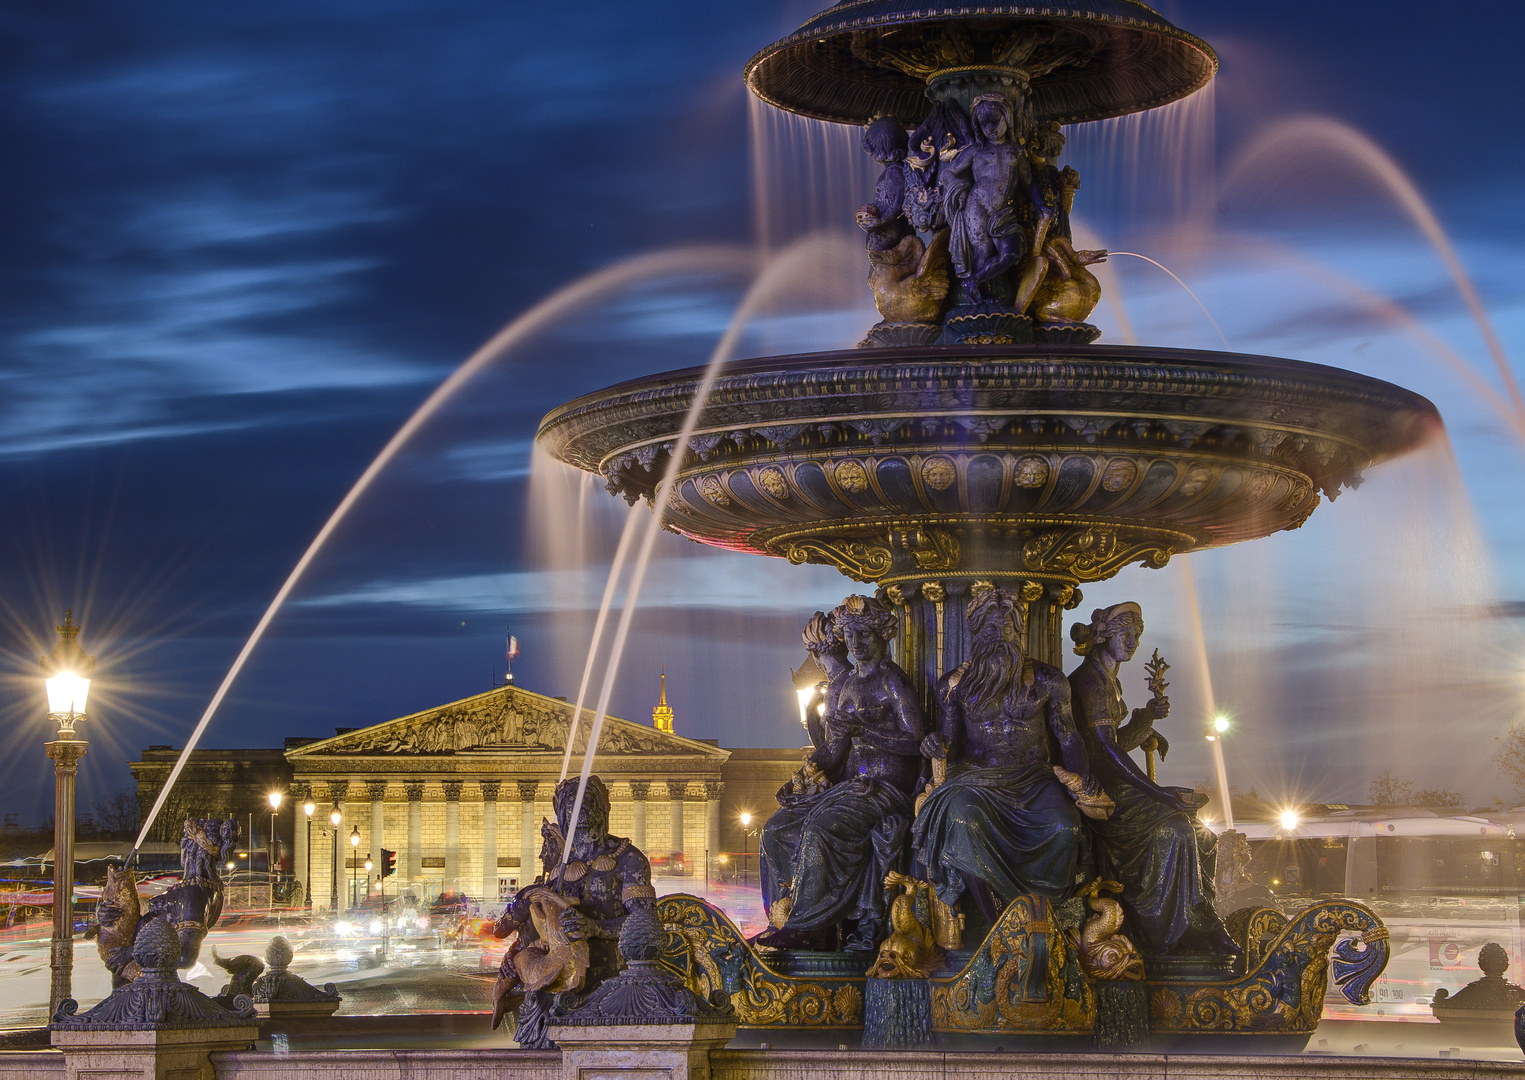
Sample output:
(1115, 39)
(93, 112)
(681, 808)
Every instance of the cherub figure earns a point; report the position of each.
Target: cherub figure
(1055, 286)
(980, 186)
(909, 278)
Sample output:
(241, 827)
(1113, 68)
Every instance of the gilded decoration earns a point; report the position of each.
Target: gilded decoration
(1284, 991)
(772, 481)
(859, 561)
(1091, 553)
(1024, 977)
(939, 473)
(1032, 472)
(1119, 474)
(1028, 976)
(713, 490)
(708, 953)
(851, 478)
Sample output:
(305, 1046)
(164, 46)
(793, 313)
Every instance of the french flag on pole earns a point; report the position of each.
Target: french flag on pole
(509, 652)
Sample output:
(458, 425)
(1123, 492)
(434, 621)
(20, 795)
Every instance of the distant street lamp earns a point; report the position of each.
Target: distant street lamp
(67, 670)
(307, 808)
(368, 865)
(335, 817)
(354, 843)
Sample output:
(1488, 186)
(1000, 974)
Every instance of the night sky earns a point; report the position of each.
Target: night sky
(239, 245)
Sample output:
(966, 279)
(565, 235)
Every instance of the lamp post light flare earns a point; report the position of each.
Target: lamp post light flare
(66, 676)
(746, 822)
(275, 804)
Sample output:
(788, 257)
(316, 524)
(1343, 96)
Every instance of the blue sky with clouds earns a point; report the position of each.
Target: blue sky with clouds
(238, 246)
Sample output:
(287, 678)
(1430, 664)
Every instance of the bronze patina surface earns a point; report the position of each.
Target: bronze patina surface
(1086, 60)
(1063, 462)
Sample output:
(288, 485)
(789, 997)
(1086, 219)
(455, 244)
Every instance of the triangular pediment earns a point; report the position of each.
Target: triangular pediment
(510, 719)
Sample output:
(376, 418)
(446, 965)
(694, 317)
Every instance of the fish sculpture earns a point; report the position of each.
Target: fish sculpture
(116, 924)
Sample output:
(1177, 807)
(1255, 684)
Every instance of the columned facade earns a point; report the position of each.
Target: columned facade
(489, 790)
(431, 787)
(639, 789)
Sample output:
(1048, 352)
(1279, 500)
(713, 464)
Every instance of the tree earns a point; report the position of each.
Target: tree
(117, 813)
(1394, 791)
(1509, 756)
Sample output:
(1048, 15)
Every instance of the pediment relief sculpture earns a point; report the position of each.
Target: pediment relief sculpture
(510, 719)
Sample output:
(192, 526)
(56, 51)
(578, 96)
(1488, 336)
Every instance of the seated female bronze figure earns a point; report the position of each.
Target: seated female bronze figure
(1153, 842)
(825, 855)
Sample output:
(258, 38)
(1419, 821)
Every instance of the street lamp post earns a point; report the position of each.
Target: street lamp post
(275, 804)
(368, 865)
(67, 670)
(354, 844)
(746, 821)
(335, 817)
(307, 808)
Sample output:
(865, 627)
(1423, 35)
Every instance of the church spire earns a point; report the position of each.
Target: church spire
(661, 716)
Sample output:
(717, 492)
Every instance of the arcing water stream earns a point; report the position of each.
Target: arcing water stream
(792, 266)
(631, 271)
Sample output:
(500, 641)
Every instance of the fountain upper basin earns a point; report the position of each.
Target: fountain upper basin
(1058, 462)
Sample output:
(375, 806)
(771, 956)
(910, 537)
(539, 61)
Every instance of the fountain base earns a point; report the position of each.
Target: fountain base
(1025, 980)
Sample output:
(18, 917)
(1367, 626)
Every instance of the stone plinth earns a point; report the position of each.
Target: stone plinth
(176, 1054)
(640, 1051)
(154, 1028)
(281, 995)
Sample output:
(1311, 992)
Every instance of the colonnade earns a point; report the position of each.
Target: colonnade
(473, 852)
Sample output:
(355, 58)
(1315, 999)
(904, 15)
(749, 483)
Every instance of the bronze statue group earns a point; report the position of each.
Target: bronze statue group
(1024, 786)
(1031, 788)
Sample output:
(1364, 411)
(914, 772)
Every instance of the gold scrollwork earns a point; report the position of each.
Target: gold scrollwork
(858, 560)
(708, 953)
(1023, 977)
(1284, 990)
(1090, 552)
(932, 548)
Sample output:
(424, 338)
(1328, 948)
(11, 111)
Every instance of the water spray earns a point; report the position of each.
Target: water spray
(784, 269)
(1183, 285)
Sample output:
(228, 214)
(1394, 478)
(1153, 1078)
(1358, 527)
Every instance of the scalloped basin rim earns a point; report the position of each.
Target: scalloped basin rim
(1250, 365)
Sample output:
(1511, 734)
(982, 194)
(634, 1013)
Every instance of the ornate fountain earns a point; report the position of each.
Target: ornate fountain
(980, 435)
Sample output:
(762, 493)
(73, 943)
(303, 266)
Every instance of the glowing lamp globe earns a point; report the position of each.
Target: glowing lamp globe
(275, 801)
(1289, 819)
(67, 693)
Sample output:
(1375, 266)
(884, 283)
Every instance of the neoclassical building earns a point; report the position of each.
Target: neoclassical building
(459, 791)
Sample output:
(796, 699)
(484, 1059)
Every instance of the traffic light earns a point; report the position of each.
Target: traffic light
(388, 863)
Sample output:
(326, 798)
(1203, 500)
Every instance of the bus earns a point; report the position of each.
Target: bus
(1444, 885)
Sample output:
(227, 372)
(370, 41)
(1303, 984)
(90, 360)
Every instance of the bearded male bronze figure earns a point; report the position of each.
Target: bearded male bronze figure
(1006, 821)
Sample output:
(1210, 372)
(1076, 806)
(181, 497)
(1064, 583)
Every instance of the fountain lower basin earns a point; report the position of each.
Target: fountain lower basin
(1053, 463)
